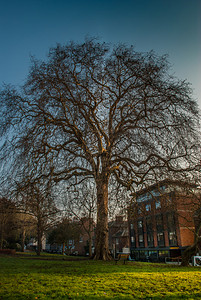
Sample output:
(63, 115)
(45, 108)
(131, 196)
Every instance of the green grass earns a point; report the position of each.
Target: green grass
(51, 277)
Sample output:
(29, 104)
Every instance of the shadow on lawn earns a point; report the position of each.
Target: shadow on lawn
(78, 266)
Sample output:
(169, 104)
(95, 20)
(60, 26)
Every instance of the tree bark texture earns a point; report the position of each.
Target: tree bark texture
(101, 247)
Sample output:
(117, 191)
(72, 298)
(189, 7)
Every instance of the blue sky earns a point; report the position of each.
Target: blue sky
(170, 27)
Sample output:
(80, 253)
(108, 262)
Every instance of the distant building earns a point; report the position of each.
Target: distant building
(160, 222)
(32, 244)
(87, 232)
(118, 236)
(79, 246)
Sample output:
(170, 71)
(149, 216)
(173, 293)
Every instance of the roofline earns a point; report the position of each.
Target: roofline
(167, 182)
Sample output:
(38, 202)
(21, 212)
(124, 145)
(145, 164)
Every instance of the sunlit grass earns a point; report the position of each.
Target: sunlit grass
(32, 278)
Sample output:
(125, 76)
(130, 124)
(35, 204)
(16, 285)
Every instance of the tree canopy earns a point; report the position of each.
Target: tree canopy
(101, 112)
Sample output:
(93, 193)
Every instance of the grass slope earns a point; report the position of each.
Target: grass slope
(51, 277)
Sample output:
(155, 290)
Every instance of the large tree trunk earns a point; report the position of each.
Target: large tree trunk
(191, 250)
(101, 246)
(188, 253)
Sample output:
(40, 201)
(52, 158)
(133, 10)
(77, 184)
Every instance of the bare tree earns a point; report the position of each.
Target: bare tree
(81, 203)
(27, 227)
(93, 111)
(35, 199)
(7, 221)
(64, 232)
(14, 225)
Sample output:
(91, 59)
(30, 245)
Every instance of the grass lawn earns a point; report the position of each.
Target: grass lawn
(51, 277)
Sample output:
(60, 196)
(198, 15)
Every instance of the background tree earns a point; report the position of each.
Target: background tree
(15, 226)
(65, 232)
(81, 203)
(8, 220)
(36, 200)
(27, 227)
(102, 112)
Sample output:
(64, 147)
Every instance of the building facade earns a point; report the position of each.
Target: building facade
(84, 245)
(87, 237)
(160, 223)
(118, 236)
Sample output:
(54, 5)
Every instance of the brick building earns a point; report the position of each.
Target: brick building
(87, 236)
(161, 222)
(118, 236)
(79, 246)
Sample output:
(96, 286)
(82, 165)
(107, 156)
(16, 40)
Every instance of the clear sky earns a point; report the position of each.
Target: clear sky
(31, 27)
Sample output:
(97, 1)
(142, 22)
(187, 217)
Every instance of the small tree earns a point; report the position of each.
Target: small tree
(8, 221)
(81, 203)
(26, 225)
(36, 200)
(63, 233)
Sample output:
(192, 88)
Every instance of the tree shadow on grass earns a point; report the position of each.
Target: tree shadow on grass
(82, 266)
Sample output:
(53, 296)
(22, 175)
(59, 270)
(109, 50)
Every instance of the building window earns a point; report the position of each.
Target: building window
(132, 234)
(141, 240)
(149, 224)
(158, 204)
(163, 253)
(140, 224)
(160, 238)
(159, 223)
(172, 238)
(171, 222)
(117, 241)
(148, 207)
(81, 239)
(150, 239)
(139, 210)
(140, 227)
(149, 227)
(132, 241)
(159, 228)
